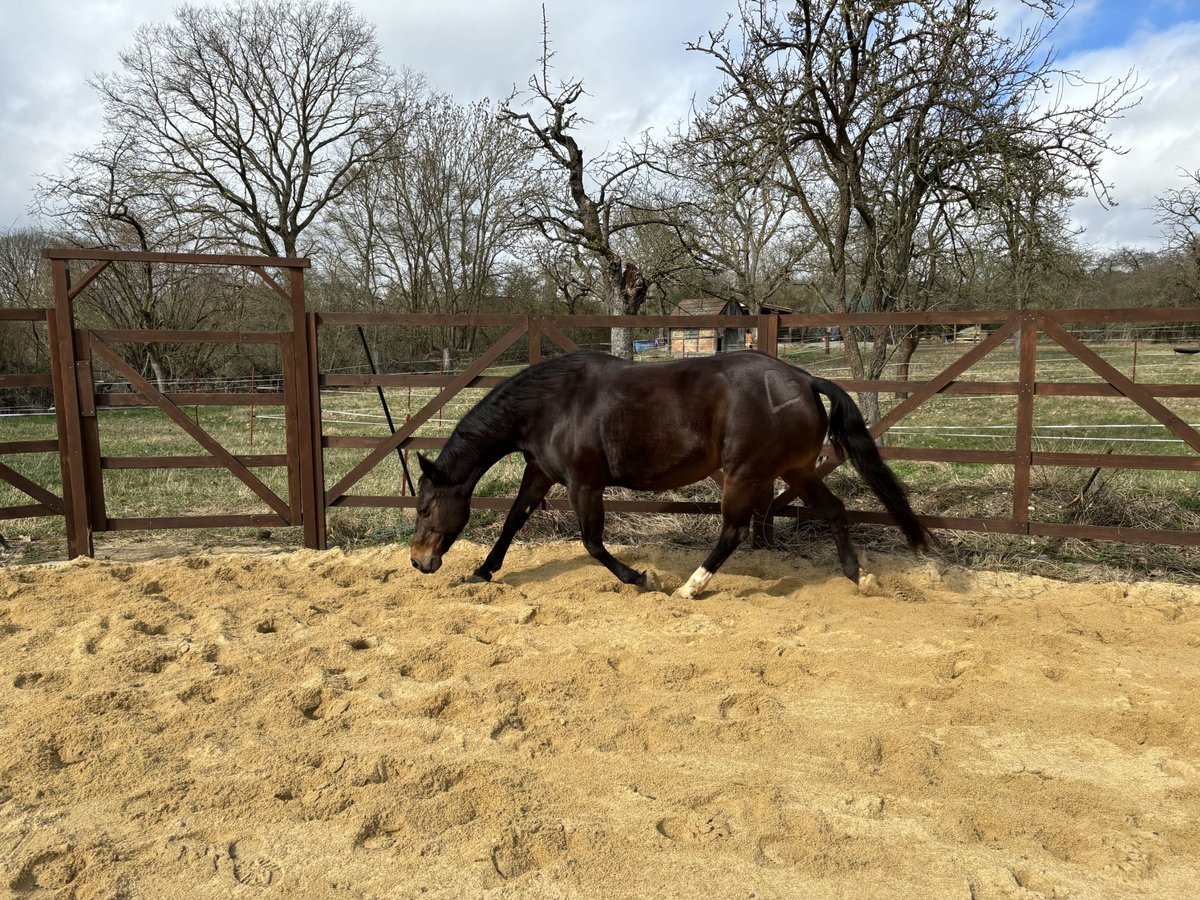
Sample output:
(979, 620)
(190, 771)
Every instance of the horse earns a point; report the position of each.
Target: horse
(589, 420)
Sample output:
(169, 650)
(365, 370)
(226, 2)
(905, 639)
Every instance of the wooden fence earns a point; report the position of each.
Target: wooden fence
(309, 495)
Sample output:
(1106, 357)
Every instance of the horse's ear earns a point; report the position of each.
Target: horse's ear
(429, 468)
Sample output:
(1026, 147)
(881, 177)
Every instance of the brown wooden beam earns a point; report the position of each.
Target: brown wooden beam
(7, 447)
(131, 400)
(151, 523)
(192, 259)
(32, 488)
(190, 462)
(88, 277)
(188, 336)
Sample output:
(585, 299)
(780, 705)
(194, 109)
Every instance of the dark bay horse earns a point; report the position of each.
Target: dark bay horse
(589, 420)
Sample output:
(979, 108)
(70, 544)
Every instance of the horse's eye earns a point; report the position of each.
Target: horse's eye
(423, 513)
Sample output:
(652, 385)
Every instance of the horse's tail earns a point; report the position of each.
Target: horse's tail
(849, 436)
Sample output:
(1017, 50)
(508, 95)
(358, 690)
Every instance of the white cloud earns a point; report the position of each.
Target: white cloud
(1161, 134)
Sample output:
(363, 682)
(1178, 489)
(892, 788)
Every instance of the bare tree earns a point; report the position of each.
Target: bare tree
(1179, 217)
(432, 227)
(24, 283)
(255, 116)
(880, 112)
(739, 222)
(603, 198)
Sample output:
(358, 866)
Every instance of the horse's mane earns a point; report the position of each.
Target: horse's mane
(496, 420)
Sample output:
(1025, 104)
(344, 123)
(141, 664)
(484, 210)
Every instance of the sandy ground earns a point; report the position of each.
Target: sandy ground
(316, 725)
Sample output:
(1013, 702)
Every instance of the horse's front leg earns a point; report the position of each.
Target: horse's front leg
(535, 484)
(589, 507)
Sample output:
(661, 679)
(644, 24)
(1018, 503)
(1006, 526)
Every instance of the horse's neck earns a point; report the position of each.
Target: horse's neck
(465, 460)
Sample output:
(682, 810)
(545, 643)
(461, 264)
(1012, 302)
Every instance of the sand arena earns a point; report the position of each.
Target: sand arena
(329, 724)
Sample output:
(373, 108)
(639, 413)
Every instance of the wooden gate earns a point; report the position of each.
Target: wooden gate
(76, 349)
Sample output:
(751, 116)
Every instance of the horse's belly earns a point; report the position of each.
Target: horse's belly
(659, 469)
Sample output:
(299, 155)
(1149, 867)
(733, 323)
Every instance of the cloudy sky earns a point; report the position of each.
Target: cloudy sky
(630, 55)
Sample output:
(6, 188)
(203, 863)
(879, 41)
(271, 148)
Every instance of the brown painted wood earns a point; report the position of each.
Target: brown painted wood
(432, 380)
(1116, 533)
(418, 320)
(271, 282)
(948, 455)
(191, 462)
(1103, 389)
(7, 447)
(555, 336)
(32, 489)
(972, 388)
(180, 418)
(365, 442)
(313, 436)
(32, 314)
(190, 336)
(125, 401)
(70, 439)
(535, 340)
(90, 429)
(1026, 376)
(88, 277)
(29, 511)
(1118, 461)
(193, 259)
(426, 412)
(25, 381)
(768, 334)
(291, 432)
(154, 523)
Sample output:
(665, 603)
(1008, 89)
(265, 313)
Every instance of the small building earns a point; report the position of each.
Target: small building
(684, 341)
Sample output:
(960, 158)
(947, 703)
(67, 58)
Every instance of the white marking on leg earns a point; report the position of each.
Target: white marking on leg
(697, 583)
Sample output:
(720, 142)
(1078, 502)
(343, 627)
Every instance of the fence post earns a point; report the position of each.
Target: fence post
(535, 340)
(69, 417)
(768, 334)
(1023, 458)
(308, 414)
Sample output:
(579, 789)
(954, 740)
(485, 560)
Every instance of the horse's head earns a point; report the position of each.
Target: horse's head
(442, 512)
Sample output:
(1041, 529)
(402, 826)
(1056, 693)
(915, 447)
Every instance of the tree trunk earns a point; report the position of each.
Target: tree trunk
(908, 347)
(625, 299)
(160, 376)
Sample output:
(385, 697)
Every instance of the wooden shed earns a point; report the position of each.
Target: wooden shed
(684, 341)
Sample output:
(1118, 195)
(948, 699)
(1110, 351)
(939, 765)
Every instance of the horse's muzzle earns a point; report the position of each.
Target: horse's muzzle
(427, 566)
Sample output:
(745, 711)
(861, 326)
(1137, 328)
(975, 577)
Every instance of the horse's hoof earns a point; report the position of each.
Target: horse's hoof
(687, 592)
(479, 578)
(868, 584)
(648, 581)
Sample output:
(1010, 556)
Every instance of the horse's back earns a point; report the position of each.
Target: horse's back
(664, 425)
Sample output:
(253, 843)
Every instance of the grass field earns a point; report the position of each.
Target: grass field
(1091, 425)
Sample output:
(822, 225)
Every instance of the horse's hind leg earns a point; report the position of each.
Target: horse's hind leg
(739, 500)
(829, 507)
(589, 507)
(535, 484)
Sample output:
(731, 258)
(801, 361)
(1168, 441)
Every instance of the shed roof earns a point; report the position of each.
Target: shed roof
(714, 306)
